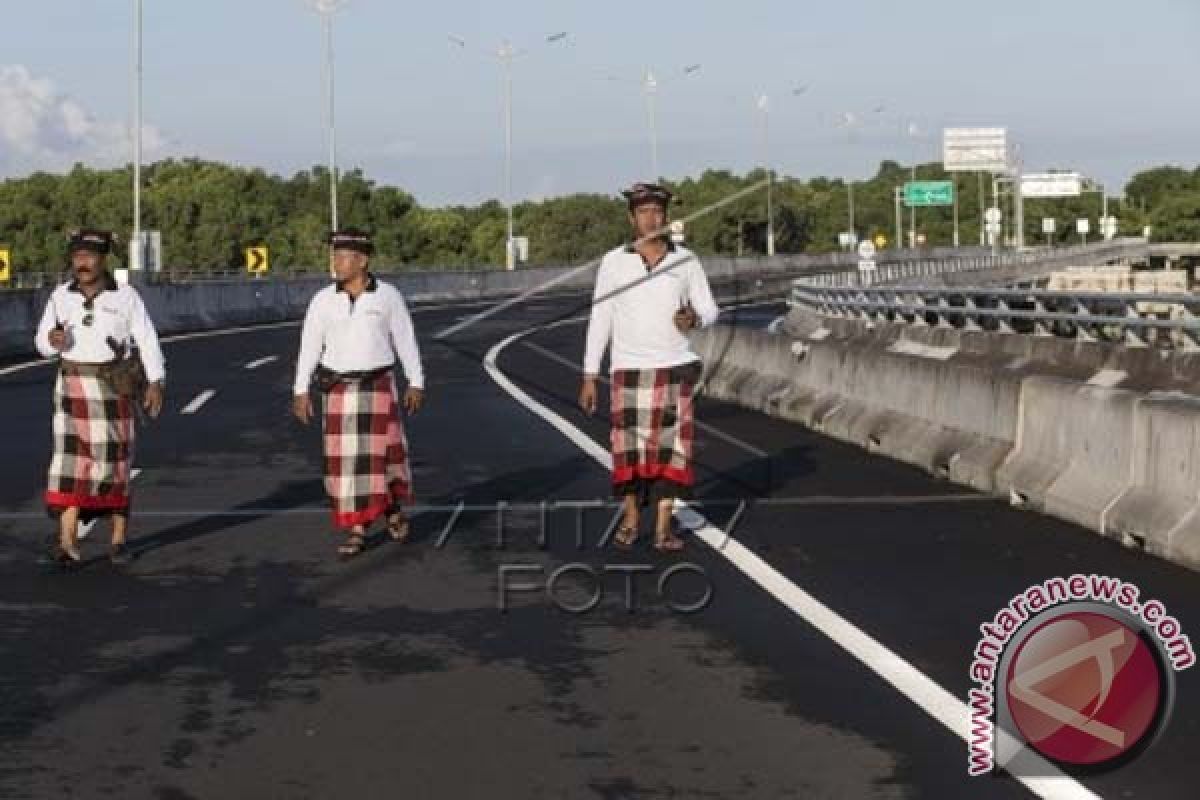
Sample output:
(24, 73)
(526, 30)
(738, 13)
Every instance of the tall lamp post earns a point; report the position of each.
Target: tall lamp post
(327, 9)
(136, 250)
(764, 105)
(506, 54)
(649, 83)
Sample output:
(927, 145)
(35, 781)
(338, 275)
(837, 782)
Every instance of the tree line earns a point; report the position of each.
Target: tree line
(210, 212)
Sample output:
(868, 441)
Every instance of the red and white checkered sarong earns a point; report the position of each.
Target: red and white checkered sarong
(93, 445)
(652, 425)
(366, 454)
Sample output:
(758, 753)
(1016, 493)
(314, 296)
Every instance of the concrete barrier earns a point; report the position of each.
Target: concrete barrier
(1073, 455)
(1121, 462)
(1160, 509)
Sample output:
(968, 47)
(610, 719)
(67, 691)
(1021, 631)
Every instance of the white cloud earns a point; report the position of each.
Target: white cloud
(41, 127)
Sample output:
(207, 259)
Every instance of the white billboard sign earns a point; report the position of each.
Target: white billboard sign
(975, 149)
(1052, 184)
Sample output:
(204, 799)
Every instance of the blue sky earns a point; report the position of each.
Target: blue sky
(1105, 86)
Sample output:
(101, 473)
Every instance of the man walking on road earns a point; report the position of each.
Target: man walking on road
(89, 324)
(353, 333)
(648, 295)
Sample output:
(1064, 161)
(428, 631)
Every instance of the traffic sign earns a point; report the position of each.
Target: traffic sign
(1083, 226)
(929, 193)
(1048, 225)
(258, 260)
(993, 215)
(5, 266)
(992, 228)
(866, 249)
(866, 265)
(880, 241)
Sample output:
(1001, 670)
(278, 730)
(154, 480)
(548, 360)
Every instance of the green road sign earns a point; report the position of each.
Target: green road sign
(929, 193)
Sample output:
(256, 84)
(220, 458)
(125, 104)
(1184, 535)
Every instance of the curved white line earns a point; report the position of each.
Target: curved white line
(1039, 776)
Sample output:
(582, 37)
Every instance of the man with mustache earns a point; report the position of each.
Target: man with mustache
(90, 324)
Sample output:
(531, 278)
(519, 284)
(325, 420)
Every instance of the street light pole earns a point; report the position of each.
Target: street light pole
(650, 86)
(327, 8)
(330, 111)
(506, 54)
(764, 105)
(136, 251)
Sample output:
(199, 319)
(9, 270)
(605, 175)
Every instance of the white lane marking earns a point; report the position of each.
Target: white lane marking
(258, 362)
(198, 401)
(1037, 775)
(85, 528)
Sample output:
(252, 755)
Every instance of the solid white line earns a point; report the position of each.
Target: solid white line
(258, 362)
(1036, 774)
(86, 527)
(198, 401)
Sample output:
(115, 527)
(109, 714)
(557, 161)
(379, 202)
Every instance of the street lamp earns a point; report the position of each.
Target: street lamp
(136, 250)
(650, 84)
(506, 54)
(764, 105)
(327, 9)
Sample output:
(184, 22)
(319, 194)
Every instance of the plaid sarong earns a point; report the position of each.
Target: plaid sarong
(652, 429)
(366, 454)
(93, 445)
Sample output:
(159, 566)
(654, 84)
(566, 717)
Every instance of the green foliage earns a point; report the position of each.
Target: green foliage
(209, 212)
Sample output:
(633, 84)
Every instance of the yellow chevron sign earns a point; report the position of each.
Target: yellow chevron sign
(258, 260)
(5, 266)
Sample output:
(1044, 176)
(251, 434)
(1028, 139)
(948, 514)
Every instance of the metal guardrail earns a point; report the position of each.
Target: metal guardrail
(1134, 318)
(915, 271)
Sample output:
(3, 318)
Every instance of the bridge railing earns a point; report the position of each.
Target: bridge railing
(891, 273)
(1135, 318)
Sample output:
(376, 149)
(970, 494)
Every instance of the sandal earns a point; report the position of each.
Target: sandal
(355, 543)
(670, 543)
(625, 537)
(397, 527)
(66, 559)
(120, 555)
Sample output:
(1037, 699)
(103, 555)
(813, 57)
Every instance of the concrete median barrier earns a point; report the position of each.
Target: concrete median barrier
(1160, 509)
(1119, 461)
(1074, 448)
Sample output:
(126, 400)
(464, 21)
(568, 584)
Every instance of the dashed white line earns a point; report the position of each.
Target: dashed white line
(86, 527)
(258, 362)
(198, 401)
(1037, 775)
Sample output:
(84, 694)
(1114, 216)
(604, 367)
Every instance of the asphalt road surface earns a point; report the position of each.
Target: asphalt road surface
(237, 658)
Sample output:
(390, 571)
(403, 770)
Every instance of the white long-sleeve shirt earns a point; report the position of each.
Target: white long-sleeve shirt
(366, 334)
(633, 310)
(117, 312)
